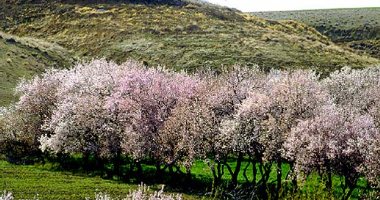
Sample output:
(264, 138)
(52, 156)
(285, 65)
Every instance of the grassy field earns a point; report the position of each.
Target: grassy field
(30, 181)
(349, 24)
(49, 183)
(25, 57)
(45, 182)
(357, 28)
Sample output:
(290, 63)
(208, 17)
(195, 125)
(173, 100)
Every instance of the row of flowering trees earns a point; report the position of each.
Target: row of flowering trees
(330, 126)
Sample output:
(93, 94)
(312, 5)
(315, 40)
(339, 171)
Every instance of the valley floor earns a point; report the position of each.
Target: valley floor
(44, 182)
(47, 182)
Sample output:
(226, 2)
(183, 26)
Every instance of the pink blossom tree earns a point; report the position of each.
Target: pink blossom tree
(25, 119)
(264, 119)
(371, 164)
(191, 130)
(334, 141)
(144, 100)
(226, 92)
(187, 134)
(12, 136)
(81, 123)
(173, 118)
(359, 90)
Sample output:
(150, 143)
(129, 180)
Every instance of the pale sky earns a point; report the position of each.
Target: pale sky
(277, 5)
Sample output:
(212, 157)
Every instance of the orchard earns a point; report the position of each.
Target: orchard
(131, 115)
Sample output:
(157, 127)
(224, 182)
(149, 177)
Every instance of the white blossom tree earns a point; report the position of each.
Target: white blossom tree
(359, 90)
(188, 133)
(333, 142)
(264, 119)
(81, 122)
(144, 100)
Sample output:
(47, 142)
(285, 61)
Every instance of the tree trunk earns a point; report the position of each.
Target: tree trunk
(351, 184)
(329, 178)
(139, 171)
(158, 168)
(293, 178)
(279, 177)
(130, 171)
(254, 172)
(235, 173)
(264, 170)
(245, 172)
(188, 174)
(85, 160)
(160, 171)
(117, 164)
(171, 171)
(217, 176)
(347, 196)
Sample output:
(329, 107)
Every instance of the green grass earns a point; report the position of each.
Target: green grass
(349, 24)
(356, 28)
(25, 57)
(313, 188)
(26, 181)
(29, 181)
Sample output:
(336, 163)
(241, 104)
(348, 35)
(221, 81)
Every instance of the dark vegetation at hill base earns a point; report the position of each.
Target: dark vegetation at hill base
(357, 28)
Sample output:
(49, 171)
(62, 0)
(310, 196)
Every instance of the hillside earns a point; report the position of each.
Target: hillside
(187, 37)
(24, 57)
(181, 35)
(358, 28)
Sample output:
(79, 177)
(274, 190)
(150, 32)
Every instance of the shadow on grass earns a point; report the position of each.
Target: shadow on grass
(176, 182)
(200, 182)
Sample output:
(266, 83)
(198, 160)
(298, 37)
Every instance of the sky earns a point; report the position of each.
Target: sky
(279, 5)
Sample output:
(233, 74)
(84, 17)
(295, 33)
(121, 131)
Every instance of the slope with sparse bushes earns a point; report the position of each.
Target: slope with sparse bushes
(357, 28)
(24, 57)
(188, 36)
